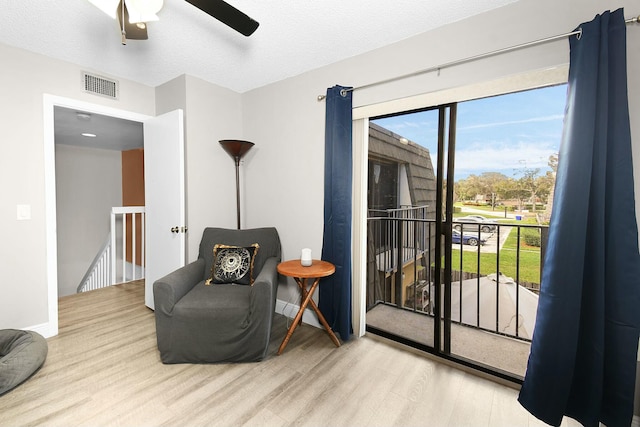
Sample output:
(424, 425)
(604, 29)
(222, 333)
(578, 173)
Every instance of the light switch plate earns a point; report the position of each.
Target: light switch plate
(23, 212)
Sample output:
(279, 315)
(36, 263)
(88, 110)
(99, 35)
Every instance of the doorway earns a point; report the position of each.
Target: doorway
(50, 104)
(99, 166)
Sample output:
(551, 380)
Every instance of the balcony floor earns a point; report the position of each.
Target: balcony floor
(498, 351)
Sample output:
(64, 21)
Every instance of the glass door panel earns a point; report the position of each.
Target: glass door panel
(506, 147)
(401, 226)
(469, 235)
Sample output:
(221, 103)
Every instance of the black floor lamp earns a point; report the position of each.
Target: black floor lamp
(236, 149)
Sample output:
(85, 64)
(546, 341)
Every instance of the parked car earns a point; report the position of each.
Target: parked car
(475, 223)
(484, 219)
(467, 239)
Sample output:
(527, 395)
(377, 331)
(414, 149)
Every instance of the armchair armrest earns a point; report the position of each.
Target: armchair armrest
(267, 281)
(168, 290)
(263, 298)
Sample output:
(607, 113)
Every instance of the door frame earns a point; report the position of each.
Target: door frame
(360, 117)
(51, 235)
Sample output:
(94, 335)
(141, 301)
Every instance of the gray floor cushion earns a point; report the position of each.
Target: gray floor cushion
(21, 354)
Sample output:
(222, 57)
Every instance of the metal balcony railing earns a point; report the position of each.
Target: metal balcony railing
(494, 279)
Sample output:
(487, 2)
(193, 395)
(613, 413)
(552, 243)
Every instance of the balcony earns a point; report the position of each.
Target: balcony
(493, 292)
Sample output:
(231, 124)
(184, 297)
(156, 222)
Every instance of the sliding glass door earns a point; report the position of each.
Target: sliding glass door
(401, 233)
(455, 251)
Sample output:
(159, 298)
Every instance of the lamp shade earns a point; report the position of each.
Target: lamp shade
(236, 147)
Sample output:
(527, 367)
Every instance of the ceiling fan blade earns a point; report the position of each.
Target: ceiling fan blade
(133, 32)
(227, 14)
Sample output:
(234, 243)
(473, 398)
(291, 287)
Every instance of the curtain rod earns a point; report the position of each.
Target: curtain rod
(577, 32)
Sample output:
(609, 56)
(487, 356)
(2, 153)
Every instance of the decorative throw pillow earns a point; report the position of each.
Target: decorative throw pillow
(233, 264)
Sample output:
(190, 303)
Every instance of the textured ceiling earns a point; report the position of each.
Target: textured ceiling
(294, 36)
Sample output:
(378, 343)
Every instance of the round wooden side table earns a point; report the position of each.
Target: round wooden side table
(317, 270)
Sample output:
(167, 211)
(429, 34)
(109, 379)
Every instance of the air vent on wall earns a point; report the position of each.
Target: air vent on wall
(100, 85)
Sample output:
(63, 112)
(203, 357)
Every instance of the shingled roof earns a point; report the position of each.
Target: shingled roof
(390, 146)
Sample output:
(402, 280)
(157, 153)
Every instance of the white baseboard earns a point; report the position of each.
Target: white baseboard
(44, 329)
(290, 310)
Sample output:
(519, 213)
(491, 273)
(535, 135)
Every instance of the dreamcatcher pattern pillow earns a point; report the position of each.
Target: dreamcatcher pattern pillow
(233, 264)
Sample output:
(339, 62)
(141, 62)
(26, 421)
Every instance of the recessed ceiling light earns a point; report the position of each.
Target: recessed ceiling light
(89, 135)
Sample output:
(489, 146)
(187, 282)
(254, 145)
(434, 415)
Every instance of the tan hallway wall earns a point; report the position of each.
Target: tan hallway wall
(133, 195)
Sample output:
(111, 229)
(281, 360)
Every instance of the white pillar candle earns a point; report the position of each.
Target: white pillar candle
(305, 257)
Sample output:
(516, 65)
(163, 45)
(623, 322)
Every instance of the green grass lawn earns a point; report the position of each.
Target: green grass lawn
(529, 260)
(529, 255)
(498, 214)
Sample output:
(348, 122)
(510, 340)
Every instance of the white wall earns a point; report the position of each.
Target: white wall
(88, 185)
(287, 123)
(24, 79)
(285, 183)
(283, 175)
(212, 113)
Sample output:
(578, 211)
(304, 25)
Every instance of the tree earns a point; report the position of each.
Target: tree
(545, 184)
(512, 188)
(485, 184)
(490, 184)
(553, 162)
(537, 186)
(462, 189)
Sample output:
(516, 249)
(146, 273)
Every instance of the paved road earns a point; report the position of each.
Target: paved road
(491, 245)
(497, 214)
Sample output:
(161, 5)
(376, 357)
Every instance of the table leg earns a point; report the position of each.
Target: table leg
(298, 318)
(324, 323)
(302, 284)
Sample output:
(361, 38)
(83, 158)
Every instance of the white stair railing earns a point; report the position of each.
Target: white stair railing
(99, 273)
(135, 269)
(111, 265)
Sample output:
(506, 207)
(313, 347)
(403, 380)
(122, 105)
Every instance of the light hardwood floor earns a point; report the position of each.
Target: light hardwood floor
(103, 369)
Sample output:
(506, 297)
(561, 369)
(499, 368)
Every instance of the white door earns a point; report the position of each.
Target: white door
(165, 200)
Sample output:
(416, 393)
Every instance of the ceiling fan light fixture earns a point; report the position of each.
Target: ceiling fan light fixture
(143, 10)
(133, 15)
(110, 7)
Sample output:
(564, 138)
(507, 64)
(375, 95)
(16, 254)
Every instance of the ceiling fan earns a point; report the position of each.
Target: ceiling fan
(133, 15)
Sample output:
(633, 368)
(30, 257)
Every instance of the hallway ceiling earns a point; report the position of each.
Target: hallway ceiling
(111, 133)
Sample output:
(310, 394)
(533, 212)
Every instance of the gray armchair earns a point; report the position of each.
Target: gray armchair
(197, 323)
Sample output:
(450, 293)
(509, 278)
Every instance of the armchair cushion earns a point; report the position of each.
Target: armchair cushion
(208, 308)
(233, 264)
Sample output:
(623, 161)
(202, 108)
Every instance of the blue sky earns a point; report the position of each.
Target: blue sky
(499, 134)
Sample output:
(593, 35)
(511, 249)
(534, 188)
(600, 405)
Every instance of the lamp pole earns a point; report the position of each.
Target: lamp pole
(237, 149)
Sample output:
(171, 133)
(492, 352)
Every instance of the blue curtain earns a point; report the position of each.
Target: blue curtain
(335, 291)
(583, 355)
